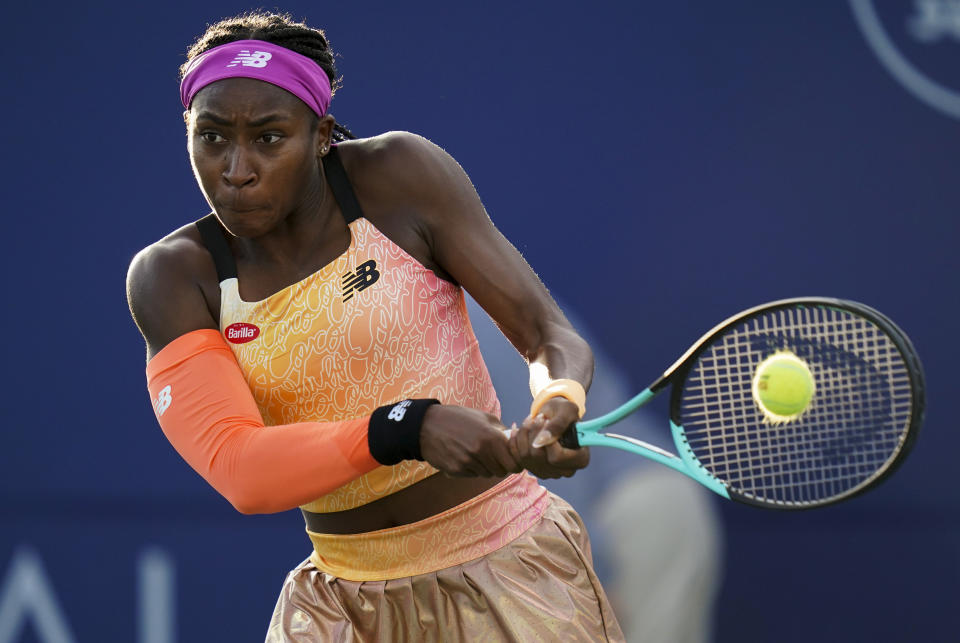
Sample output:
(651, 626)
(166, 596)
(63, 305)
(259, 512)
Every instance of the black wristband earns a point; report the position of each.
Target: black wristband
(394, 432)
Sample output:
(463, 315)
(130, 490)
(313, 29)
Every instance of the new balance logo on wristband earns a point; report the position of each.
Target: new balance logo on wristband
(256, 59)
(365, 275)
(393, 434)
(397, 412)
(162, 403)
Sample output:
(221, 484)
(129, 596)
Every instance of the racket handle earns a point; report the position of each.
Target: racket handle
(569, 439)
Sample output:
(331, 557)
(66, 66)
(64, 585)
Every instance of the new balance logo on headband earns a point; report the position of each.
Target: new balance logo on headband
(256, 59)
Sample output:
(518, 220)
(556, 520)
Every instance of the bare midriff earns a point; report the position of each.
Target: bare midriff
(422, 500)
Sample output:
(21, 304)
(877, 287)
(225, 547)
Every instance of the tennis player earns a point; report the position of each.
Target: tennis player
(308, 346)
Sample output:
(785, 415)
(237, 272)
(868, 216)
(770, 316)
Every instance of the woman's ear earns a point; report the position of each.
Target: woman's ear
(324, 134)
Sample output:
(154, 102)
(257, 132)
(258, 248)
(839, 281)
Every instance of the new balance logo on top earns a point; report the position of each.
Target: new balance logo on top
(256, 59)
(365, 275)
(398, 411)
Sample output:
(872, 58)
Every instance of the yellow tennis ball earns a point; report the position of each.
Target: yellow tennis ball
(783, 386)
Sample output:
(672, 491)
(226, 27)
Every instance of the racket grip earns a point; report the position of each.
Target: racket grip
(569, 439)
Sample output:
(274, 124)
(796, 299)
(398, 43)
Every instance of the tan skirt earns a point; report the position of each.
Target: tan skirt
(536, 584)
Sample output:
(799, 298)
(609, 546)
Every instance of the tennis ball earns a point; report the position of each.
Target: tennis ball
(783, 387)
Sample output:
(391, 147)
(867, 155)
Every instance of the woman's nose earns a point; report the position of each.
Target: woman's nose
(239, 172)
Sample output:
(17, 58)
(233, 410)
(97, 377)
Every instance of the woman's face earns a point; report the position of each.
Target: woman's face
(254, 148)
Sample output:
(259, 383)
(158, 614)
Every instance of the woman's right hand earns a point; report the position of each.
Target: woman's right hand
(460, 441)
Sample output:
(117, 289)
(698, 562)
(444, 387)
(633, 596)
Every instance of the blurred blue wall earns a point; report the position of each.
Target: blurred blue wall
(661, 165)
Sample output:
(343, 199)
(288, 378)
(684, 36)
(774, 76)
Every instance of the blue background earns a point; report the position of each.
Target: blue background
(661, 165)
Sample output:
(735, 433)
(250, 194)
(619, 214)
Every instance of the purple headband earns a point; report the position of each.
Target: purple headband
(261, 60)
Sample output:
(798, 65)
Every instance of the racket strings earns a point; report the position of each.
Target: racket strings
(851, 432)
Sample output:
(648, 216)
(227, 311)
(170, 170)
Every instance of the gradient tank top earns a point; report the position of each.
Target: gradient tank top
(372, 327)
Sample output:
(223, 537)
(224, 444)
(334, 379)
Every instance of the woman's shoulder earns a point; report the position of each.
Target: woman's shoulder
(404, 187)
(181, 250)
(401, 159)
(385, 146)
(172, 287)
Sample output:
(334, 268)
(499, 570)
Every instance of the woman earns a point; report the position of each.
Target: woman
(308, 345)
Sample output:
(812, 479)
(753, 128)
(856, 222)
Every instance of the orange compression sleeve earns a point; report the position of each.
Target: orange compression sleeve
(208, 414)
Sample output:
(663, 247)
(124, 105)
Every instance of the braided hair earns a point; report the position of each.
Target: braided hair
(278, 29)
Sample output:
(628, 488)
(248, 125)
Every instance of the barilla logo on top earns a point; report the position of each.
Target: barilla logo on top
(247, 59)
(241, 333)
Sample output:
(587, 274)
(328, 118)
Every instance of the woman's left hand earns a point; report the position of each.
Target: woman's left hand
(534, 444)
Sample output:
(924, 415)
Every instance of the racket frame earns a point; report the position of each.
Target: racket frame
(587, 433)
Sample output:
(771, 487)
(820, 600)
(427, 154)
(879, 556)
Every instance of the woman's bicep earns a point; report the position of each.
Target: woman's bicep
(468, 246)
(494, 272)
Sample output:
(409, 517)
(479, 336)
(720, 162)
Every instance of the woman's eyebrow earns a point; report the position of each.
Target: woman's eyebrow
(210, 116)
(220, 120)
(269, 118)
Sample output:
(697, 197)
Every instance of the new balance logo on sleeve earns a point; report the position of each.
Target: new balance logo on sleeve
(256, 59)
(398, 411)
(162, 403)
(365, 275)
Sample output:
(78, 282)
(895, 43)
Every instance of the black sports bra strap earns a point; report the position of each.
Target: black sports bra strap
(216, 243)
(340, 184)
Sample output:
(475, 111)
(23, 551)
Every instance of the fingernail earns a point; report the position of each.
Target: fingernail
(543, 438)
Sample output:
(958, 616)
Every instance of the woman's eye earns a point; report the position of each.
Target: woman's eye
(270, 138)
(211, 137)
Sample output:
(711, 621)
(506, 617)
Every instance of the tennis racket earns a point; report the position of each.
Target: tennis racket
(866, 408)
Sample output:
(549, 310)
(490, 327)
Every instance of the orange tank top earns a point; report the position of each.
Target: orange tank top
(372, 327)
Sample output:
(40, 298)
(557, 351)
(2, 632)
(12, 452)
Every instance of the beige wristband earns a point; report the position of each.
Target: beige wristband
(569, 389)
